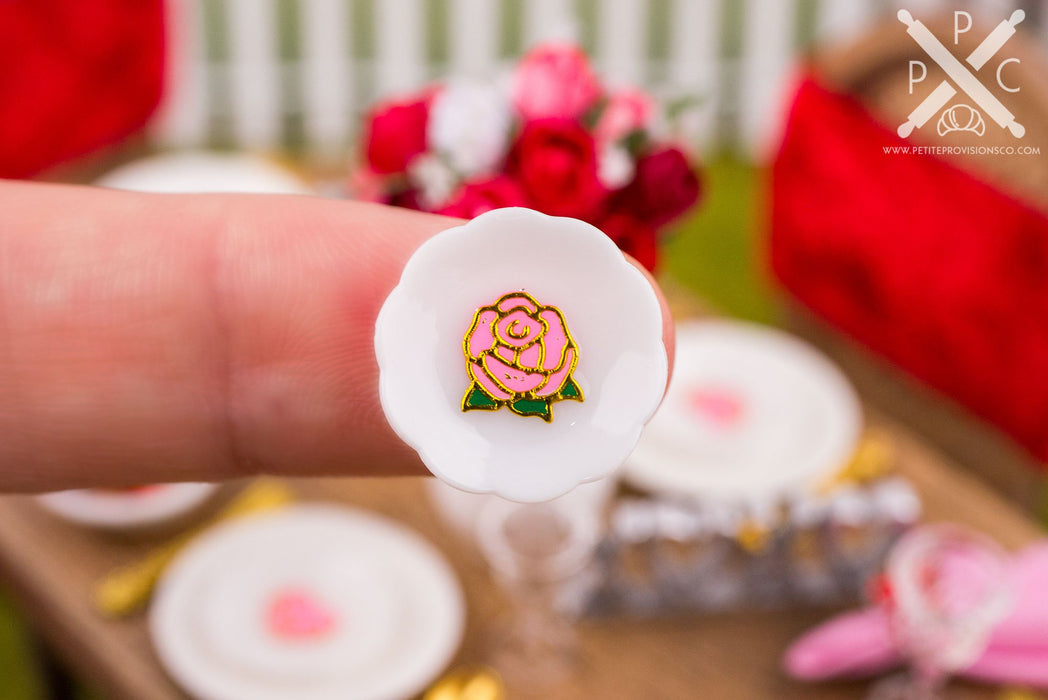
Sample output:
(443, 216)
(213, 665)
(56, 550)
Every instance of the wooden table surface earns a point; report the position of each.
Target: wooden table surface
(50, 565)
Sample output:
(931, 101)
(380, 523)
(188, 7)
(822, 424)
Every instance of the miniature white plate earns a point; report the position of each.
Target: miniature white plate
(752, 416)
(120, 509)
(202, 171)
(313, 603)
(461, 509)
(521, 355)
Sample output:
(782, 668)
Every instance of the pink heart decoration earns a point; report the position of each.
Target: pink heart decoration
(297, 614)
(722, 407)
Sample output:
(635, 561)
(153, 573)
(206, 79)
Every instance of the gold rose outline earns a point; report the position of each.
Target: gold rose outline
(570, 391)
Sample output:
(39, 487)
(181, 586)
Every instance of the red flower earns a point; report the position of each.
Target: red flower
(408, 199)
(396, 133)
(632, 236)
(478, 197)
(555, 161)
(664, 187)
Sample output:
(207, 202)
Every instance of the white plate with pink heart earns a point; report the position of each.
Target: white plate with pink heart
(753, 416)
(133, 508)
(311, 602)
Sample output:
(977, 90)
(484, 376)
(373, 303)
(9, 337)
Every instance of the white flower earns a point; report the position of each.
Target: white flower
(614, 166)
(597, 319)
(434, 180)
(469, 125)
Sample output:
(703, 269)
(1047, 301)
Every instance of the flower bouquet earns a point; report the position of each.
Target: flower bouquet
(550, 138)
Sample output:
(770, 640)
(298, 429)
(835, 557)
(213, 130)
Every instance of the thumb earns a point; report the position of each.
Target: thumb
(156, 337)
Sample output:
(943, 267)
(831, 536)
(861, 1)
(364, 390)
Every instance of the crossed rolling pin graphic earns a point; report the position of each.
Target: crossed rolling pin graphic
(960, 75)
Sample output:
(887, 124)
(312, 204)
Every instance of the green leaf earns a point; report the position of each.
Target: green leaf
(635, 142)
(532, 407)
(476, 399)
(571, 391)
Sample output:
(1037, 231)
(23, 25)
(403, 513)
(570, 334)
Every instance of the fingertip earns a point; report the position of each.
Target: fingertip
(669, 328)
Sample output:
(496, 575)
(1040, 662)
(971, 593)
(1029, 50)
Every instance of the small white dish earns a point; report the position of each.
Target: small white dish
(753, 416)
(313, 603)
(521, 355)
(127, 509)
(204, 171)
(461, 509)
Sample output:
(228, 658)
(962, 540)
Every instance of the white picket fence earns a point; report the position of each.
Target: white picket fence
(233, 80)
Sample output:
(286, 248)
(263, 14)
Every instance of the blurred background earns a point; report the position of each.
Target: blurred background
(805, 223)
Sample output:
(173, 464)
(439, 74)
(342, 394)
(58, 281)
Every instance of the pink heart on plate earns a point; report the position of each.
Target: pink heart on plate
(720, 406)
(297, 614)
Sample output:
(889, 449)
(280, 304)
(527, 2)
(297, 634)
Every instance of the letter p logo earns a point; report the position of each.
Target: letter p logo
(924, 73)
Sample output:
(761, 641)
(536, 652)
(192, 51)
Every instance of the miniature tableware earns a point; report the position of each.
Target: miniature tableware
(311, 602)
(127, 509)
(202, 171)
(946, 588)
(520, 354)
(461, 509)
(859, 643)
(753, 417)
(538, 552)
(127, 588)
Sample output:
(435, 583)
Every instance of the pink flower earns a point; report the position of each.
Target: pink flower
(475, 198)
(519, 354)
(554, 80)
(627, 111)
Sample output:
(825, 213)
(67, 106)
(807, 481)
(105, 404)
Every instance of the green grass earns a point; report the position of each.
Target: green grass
(718, 251)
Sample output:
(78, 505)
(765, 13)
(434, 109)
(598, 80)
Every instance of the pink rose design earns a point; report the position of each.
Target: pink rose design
(627, 111)
(519, 354)
(554, 80)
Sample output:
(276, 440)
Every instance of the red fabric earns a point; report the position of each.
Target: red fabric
(919, 260)
(75, 76)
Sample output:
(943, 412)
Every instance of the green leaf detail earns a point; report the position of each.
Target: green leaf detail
(476, 399)
(571, 390)
(532, 407)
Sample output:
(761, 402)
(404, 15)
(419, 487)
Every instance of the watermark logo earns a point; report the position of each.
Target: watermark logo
(961, 116)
